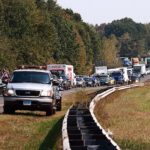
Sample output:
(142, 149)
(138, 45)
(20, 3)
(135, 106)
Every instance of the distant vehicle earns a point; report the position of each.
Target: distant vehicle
(135, 78)
(65, 83)
(100, 70)
(55, 80)
(106, 80)
(126, 61)
(89, 82)
(80, 82)
(95, 81)
(135, 60)
(31, 89)
(129, 72)
(146, 60)
(140, 69)
(62, 70)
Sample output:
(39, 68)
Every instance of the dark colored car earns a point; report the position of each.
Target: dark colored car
(106, 80)
(135, 78)
(96, 81)
(89, 82)
(55, 80)
(65, 82)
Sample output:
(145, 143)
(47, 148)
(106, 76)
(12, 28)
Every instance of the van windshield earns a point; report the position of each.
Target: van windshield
(58, 73)
(116, 74)
(30, 77)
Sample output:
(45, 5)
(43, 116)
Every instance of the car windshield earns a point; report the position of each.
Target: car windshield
(103, 77)
(116, 74)
(58, 73)
(30, 77)
(88, 79)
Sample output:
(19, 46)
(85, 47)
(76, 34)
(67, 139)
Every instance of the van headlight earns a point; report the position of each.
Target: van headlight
(9, 92)
(46, 93)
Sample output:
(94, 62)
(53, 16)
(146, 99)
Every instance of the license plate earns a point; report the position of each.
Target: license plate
(27, 103)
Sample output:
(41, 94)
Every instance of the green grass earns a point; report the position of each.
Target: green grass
(29, 132)
(52, 129)
(127, 115)
(133, 145)
(33, 130)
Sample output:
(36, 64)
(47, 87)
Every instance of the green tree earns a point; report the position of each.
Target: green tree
(1, 18)
(7, 54)
(109, 52)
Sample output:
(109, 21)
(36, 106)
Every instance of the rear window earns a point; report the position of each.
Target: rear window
(79, 79)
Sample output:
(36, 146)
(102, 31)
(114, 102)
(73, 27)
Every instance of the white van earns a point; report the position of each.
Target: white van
(63, 69)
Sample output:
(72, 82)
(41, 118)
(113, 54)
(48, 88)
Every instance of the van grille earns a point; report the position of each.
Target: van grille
(27, 93)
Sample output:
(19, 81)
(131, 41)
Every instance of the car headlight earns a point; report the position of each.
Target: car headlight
(65, 82)
(46, 93)
(9, 92)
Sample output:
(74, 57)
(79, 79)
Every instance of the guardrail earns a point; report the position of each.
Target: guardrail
(82, 131)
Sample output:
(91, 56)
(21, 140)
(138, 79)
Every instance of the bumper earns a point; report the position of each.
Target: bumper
(89, 84)
(119, 81)
(42, 103)
(79, 85)
(104, 83)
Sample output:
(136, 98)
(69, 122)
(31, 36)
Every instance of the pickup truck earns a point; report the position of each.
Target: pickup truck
(31, 89)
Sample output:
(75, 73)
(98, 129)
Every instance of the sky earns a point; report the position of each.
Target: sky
(105, 11)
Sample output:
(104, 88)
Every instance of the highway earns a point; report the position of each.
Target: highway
(71, 91)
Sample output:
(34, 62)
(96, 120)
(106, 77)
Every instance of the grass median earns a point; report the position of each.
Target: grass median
(127, 115)
(33, 130)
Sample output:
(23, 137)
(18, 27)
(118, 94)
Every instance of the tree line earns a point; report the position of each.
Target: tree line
(133, 38)
(38, 32)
